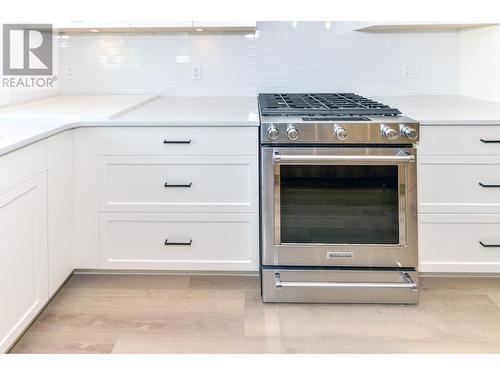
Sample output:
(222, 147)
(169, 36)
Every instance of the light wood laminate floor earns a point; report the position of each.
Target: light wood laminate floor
(224, 314)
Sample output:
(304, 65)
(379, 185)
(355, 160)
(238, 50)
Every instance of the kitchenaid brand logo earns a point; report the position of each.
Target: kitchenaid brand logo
(339, 254)
(27, 56)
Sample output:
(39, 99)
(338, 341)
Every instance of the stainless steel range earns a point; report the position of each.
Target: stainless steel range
(339, 200)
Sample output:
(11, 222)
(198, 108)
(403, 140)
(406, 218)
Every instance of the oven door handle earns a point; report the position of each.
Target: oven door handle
(406, 283)
(278, 158)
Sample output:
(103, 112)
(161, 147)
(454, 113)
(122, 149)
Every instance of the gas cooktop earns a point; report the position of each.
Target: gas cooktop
(338, 104)
(332, 118)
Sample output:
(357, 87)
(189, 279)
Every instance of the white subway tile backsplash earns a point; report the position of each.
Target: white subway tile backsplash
(278, 57)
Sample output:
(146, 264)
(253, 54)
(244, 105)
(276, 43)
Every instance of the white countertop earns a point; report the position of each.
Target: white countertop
(194, 111)
(24, 124)
(445, 109)
(75, 108)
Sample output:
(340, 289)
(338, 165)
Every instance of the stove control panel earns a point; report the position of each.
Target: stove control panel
(389, 131)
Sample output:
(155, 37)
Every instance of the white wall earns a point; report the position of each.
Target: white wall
(281, 57)
(480, 63)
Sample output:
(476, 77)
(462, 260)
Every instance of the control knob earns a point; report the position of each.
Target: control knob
(389, 133)
(292, 133)
(411, 133)
(272, 132)
(340, 133)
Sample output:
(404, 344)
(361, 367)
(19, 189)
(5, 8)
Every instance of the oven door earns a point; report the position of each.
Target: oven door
(339, 207)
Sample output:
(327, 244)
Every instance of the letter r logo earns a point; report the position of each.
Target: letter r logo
(27, 49)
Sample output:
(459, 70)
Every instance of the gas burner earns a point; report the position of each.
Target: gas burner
(335, 118)
(313, 104)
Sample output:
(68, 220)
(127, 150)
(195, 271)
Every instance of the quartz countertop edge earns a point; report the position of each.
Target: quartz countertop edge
(146, 111)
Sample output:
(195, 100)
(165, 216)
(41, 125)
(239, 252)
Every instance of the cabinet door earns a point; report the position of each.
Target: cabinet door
(23, 257)
(60, 208)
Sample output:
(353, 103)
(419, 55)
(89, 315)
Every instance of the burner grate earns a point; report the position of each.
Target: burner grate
(328, 104)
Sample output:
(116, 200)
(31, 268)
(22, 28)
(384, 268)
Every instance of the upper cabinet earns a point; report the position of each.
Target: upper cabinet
(243, 26)
(82, 26)
(408, 26)
(148, 26)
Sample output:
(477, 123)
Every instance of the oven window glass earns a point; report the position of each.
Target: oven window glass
(339, 204)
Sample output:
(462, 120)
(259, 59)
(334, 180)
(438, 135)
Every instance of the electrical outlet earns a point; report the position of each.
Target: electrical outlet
(70, 72)
(410, 70)
(197, 73)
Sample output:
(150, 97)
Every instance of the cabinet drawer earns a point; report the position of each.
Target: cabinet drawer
(20, 165)
(459, 188)
(178, 141)
(180, 241)
(452, 243)
(459, 140)
(179, 184)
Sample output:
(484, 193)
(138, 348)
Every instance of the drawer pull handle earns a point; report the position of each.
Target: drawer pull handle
(176, 186)
(166, 141)
(178, 243)
(406, 283)
(490, 140)
(489, 185)
(485, 245)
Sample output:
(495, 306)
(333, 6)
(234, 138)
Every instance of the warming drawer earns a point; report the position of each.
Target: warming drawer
(339, 286)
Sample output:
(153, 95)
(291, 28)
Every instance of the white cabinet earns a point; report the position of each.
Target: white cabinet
(249, 26)
(179, 184)
(154, 25)
(459, 243)
(407, 26)
(83, 26)
(459, 198)
(456, 187)
(102, 199)
(19, 166)
(86, 198)
(60, 208)
(127, 26)
(36, 226)
(23, 256)
(178, 141)
(217, 242)
(196, 184)
(448, 140)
